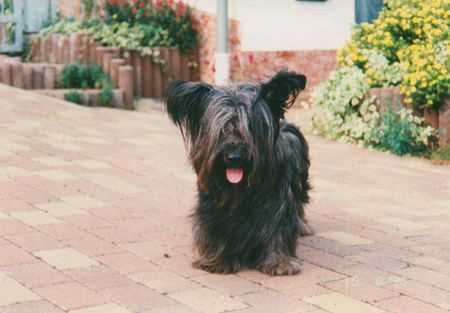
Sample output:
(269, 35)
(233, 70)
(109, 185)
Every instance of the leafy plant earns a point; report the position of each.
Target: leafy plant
(74, 97)
(413, 35)
(341, 108)
(343, 111)
(402, 133)
(88, 76)
(165, 23)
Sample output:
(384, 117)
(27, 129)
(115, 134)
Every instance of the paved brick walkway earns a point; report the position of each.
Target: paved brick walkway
(93, 218)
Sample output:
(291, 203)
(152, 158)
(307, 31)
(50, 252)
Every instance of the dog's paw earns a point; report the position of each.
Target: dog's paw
(305, 229)
(215, 267)
(283, 268)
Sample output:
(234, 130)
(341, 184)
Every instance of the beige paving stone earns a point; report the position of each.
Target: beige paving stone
(65, 258)
(59, 209)
(402, 304)
(36, 274)
(431, 263)
(92, 164)
(40, 306)
(34, 241)
(207, 300)
(103, 308)
(52, 161)
(127, 263)
(98, 277)
(422, 292)
(137, 297)
(371, 275)
(227, 284)
(12, 291)
(427, 276)
(275, 302)
(176, 308)
(112, 183)
(70, 296)
(403, 223)
(65, 146)
(56, 175)
(12, 146)
(83, 201)
(164, 281)
(338, 303)
(4, 216)
(357, 289)
(345, 238)
(35, 218)
(13, 171)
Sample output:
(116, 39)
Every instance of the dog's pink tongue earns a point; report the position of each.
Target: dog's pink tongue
(234, 175)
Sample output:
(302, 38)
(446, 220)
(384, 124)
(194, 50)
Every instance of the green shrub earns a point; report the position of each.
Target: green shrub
(76, 75)
(402, 133)
(343, 111)
(71, 76)
(88, 77)
(413, 35)
(106, 96)
(74, 97)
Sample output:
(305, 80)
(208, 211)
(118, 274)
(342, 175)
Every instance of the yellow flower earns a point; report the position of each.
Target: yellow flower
(114, 16)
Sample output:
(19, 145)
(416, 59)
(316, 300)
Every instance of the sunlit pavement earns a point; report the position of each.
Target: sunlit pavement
(94, 207)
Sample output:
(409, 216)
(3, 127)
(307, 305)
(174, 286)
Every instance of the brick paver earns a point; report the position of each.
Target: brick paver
(94, 207)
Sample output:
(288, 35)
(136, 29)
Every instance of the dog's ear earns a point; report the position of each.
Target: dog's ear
(281, 90)
(185, 104)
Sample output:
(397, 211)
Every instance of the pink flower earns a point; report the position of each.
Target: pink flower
(181, 5)
(235, 58)
(251, 58)
(206, 62)
(133, 10)
(142, 5)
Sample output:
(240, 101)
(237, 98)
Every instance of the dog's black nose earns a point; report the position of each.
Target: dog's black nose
(234, 156)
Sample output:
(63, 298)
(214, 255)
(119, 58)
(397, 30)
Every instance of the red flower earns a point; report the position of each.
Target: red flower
(142, 5)
(251, 58)
(147, 14)
(214, 69)
(133, 10)
(181, 5)
(206, 62)
(235, 58)
(158, 4)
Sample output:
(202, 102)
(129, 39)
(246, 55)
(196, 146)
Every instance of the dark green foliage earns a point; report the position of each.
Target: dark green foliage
(88, 77)
(441, 155)
(106, 96)
(397, 135)
(81, 76)
(74, 97)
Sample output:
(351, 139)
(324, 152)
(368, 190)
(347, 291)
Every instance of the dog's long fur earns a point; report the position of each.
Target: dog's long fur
(254, 224)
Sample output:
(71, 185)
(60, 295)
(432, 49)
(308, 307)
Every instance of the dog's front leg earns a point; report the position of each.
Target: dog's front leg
(279, 259)
(218, 265)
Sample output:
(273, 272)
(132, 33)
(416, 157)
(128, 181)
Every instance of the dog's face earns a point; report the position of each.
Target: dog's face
(231, 131)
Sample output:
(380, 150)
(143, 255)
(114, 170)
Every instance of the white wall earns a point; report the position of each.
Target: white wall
(278, 25)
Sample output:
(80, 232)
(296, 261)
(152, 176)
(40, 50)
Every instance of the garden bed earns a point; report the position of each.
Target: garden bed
(390, 91)
(48, 79)
(436, 118)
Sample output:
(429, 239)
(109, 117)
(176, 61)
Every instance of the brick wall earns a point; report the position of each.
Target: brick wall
(257, 65)
(245, 65)
(69, 7)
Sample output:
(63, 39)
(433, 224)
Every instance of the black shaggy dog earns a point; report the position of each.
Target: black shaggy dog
(252, 170)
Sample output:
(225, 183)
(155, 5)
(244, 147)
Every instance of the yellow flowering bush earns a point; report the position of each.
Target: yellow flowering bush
(412, 35)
